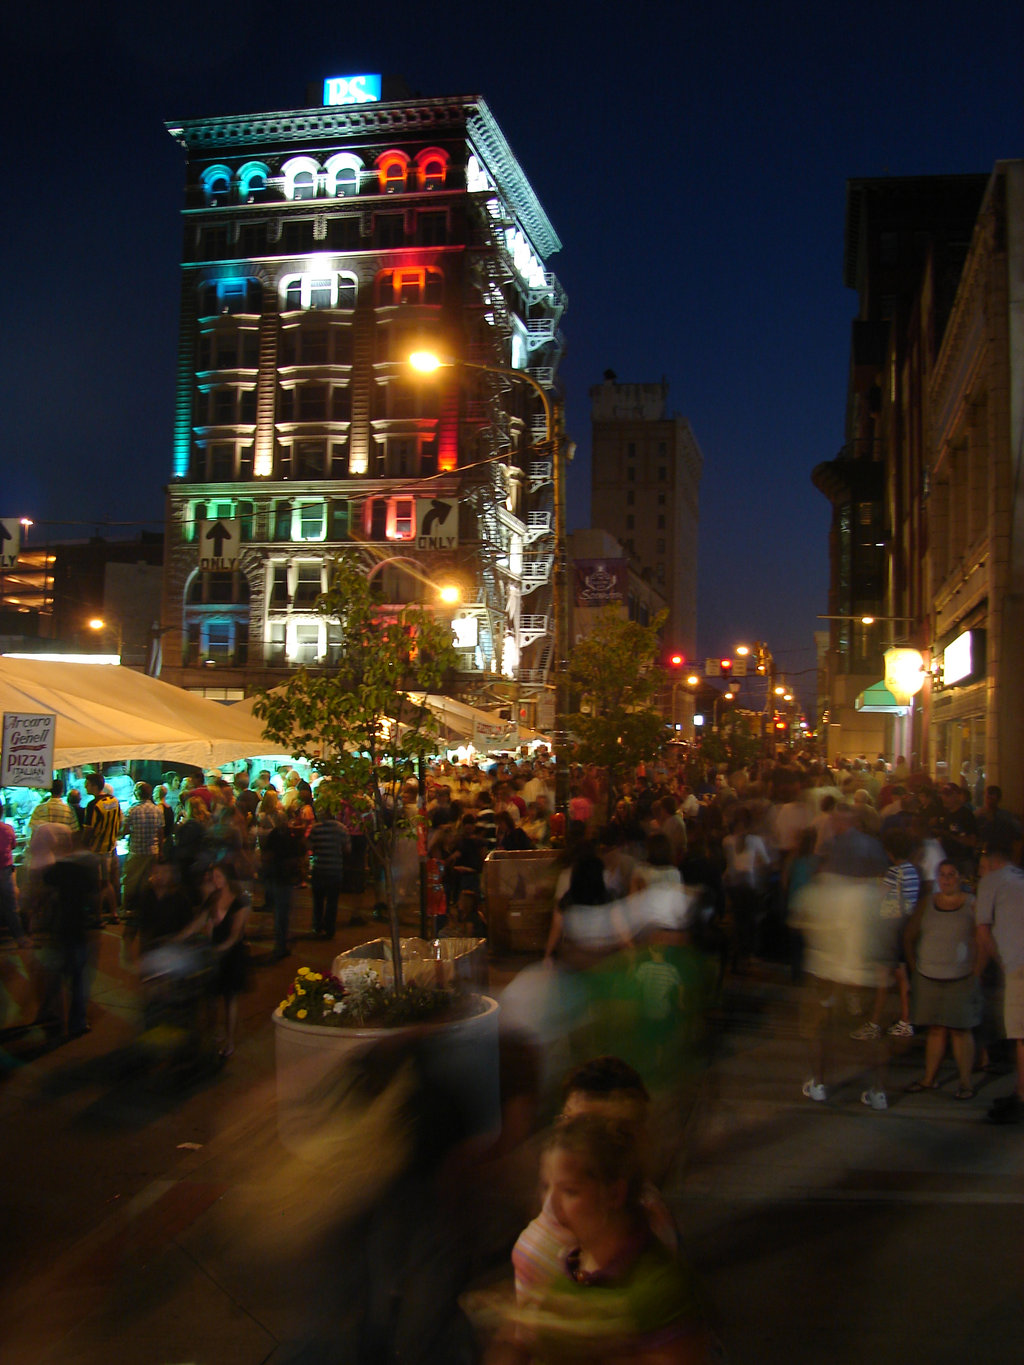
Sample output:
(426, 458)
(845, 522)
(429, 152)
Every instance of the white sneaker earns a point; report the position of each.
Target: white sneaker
(867, 1033)
(814, 1090)
(901, 1029)
(874, 1099)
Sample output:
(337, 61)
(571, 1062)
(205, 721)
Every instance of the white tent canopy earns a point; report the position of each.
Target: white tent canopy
(107, 712)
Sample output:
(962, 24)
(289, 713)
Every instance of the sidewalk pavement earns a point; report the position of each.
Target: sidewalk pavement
(132, 1212)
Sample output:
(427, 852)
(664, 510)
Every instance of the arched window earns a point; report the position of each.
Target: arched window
(392, 171)
(236, 295)
(409, 286)
(300, 175)
(343, 172)
(332, 289)
(252, 179)
(216, 183)
(431, 168)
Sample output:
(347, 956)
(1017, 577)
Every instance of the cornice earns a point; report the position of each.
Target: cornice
(468, 113)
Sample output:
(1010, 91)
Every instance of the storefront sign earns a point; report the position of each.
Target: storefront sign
(27, 755)
(351, 89)
(963, 660)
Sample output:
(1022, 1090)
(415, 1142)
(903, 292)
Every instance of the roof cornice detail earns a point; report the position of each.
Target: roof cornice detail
(409, 117)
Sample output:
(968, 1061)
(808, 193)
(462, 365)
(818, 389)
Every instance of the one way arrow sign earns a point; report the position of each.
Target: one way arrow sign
(10, 542)
(219, 544)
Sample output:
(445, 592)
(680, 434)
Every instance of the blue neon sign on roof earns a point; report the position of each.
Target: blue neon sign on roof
(351, 89)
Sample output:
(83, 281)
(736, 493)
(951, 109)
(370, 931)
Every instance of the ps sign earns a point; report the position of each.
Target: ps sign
(351, 89)
(10, 542)
(437, 524)
(219, 544)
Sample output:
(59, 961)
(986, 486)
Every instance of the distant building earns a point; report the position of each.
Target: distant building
(321, 247)
(48, 599)
(645, 488)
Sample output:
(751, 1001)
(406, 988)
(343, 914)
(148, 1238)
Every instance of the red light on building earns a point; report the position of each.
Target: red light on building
(725, 665)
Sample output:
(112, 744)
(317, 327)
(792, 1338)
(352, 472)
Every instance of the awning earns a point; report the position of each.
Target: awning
(877, 699)
(107, 712)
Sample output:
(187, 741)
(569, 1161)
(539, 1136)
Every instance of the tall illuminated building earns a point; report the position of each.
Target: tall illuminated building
(322, 246)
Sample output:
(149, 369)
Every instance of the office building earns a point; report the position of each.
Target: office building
(322, 246)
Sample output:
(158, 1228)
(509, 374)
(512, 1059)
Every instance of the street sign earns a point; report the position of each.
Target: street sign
(220, 543)
(739, 666)
(26, 757)
(712, 668)
(437, 524)
(10, 542)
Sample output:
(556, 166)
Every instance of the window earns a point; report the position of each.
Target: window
(307, 644)
(403, 525)
(249, 350)
(631, 451)
(282, 520)
(339, 466)
(659, 573)
(431, 228)
(215, 239)
(662, 450)
(279, 585)
(236, 295)
(389, 229)
(222, 463)
(661, 499)
(216, 183)
(392, 171)
(409, 286)
(629, 522)
(661, 473)
(308, 460)
(245, 460)
(222, 406)
(252, 239)
(342, 174)
(630, 498)
(661, 522)
(297, 235)
(431, 168)
(631, 474)
(313, 341)
(307, 584)
(309, 521)
(659, 547)
(300, 175)
(338, 526)
(341, 403)
(343, 234)
(333, 290)
(252, 181)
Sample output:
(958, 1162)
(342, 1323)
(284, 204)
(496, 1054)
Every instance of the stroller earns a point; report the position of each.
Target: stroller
(175, 1038)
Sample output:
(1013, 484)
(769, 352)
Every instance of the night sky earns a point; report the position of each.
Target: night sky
(693, 160)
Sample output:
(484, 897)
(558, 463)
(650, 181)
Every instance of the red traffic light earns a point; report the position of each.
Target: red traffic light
(725, 664)
(677, 660)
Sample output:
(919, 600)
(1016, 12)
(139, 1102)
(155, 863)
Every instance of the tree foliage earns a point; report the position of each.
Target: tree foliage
(355, 721)
(612, 670)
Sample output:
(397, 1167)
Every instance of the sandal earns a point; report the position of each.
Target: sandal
(916, 1087)
(964, 1092)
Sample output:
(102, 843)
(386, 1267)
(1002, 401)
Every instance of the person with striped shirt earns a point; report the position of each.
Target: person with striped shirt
(101, 827)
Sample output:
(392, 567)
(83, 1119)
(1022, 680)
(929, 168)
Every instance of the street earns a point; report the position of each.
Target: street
(823, 1232)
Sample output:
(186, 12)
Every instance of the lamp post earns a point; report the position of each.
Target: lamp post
(427, 363)
(102, 627)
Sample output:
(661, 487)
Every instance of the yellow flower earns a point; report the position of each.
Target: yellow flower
(284, 1004)
(315, 976)
(301, 1014)
(291, 999)
(300, 990)
(303, 971)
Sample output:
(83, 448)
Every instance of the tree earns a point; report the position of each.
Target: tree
(613, 671)
(355, 722)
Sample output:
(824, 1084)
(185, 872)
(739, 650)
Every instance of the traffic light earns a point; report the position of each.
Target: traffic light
(718, 668)
(674, 660)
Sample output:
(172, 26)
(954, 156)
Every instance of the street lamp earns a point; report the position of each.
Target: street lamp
(101, 627)
(426, 362)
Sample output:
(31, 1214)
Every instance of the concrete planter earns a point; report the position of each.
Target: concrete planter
(459, 1056)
